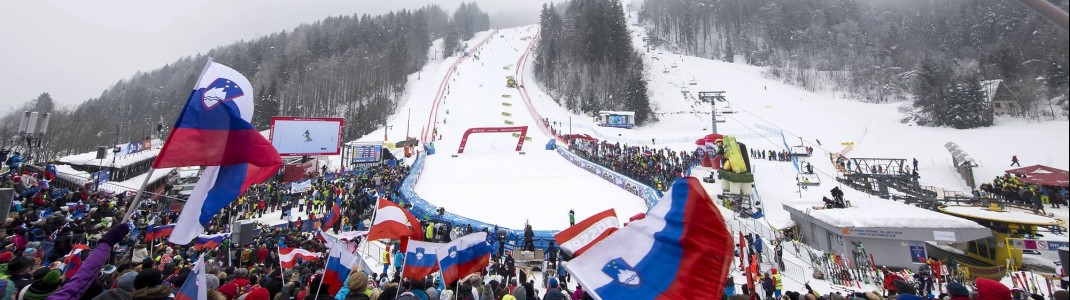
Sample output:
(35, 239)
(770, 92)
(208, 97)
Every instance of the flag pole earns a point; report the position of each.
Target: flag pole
(324, 276)
(278, 250)
(401, 276)
(137, 197)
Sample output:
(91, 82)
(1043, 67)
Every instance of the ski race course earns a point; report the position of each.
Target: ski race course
(493, 183)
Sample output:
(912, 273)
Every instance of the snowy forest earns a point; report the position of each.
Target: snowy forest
(354, 67)
(586, 61)
(933, 53)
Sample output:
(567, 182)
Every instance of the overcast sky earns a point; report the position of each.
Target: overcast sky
(75, 49)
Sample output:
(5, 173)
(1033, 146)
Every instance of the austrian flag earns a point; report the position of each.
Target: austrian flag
(577, 239)
(393, 222)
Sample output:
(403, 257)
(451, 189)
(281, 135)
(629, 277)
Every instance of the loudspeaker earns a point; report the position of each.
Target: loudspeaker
(6, 196)
(243, 232)
(102, 152)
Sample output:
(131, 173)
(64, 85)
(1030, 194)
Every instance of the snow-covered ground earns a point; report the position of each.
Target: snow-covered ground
(490, 181)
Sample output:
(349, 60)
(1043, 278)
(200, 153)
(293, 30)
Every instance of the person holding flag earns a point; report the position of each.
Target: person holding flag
(214, 130)
(288, 257)
(332, 217)
(393, 222)
(681, 250)
(196, 285)
(340, 262)
(421, 259)
(77, 285)
(462, 256)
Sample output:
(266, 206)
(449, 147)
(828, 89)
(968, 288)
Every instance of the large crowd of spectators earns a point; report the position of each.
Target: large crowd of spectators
(648, 165)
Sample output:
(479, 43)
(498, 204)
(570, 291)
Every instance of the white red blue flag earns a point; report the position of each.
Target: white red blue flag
(421, 259)
(683, 243)
(393, 222)
(288, 257)
(214, 130)
(196, 285)
(333, 216)
(157, 232)
(340, 262)
(587, 233)
(462, 256)
(210, 241)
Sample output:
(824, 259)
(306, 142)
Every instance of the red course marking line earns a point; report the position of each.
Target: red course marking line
(431, 125)
(521, 66)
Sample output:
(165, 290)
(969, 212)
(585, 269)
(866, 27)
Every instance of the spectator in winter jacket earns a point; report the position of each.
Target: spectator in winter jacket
(768, 286)
(77, 285)
(553, 291)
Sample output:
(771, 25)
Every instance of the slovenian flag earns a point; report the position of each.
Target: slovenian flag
(393, 222)
(340, 262)
(209, 241)
(196, 285)
(462, 256)
(288, 256)
(213, 130)
(683, 243)
(333, 216)
(157, 232)
(421, 259)
(50, 171)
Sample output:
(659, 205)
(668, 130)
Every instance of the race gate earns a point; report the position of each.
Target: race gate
(523, 130)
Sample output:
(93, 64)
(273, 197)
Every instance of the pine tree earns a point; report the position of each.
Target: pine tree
(930, 90)
(966, 105)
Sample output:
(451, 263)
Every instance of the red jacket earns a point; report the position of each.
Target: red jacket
(262, 254)
(889, 281)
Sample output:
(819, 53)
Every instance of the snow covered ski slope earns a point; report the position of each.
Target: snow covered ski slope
(490, 181)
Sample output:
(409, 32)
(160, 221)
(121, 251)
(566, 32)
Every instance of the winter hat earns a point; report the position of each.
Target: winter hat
(903, 287)
(180, 278)
(18, 265)
(552, 283)
(41, 289)
(126, 281)
(230, 290)
(1061, 295)
(258, 294)
(114, 294)
(40, 273)
(6, 257)
(212, 282)
(956, 289)
(7, 289)
(358, 282)
(147, 279)
(988, 289)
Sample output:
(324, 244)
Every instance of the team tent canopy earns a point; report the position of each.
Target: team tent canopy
(1042, 175)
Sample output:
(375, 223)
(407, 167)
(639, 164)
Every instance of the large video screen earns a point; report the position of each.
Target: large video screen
(293, 136)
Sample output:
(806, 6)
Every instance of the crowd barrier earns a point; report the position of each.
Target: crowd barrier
(650, 195)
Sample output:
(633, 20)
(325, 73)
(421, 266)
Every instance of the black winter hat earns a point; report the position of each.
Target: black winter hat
(19, 264)
(147, 279)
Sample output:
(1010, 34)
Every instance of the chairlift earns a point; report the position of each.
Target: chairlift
(666, 71)
(727, 110)
(693, 82)
(673, 65)
(799, 151)
(806, 180)
(720, 118)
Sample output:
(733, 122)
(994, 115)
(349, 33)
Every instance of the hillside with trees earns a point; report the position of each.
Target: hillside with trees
(354, 67)
(586, 61)
(933, 53)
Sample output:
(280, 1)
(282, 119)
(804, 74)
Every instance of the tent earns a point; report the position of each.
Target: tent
(1042, 175)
